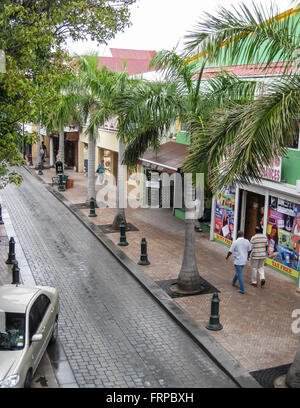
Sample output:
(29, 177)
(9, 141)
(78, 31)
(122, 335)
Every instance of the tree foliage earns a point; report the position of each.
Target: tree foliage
(33, 37)
(242, 137)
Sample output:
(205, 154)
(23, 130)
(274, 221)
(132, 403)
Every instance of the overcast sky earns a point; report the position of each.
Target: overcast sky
(161, 24)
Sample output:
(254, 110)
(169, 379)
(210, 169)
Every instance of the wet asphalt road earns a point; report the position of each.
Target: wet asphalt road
(112, 331)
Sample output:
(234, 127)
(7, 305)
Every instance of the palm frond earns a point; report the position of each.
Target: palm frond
(244, 36)
(240, 140)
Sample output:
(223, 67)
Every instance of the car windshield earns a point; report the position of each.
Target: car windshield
(14, 336)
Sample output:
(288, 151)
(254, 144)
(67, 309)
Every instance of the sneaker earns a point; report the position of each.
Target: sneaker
(262, 282)
(254, 284)
(241, 292)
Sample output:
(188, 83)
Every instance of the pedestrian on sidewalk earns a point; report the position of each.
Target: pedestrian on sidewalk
(45, 150)
(42, 154)
(241, 249)
(100, 171)
(259, 244)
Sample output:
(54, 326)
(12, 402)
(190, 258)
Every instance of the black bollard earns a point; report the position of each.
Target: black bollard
(40, 173)
(61, 186)
(144, 256)
(123, 241)
(11, 252)
(92, 208)
(16, 274)
(214, 323)
(1, 220)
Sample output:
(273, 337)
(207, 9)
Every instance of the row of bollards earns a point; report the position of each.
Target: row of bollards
(11, 260)
(123, 242)
(214, 321)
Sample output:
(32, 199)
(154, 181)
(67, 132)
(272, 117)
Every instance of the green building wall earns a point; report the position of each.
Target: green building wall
(290, 170)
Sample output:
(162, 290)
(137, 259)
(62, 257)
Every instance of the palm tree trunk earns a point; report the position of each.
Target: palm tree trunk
(120, 199)
(38, 146)
(189, 278)
(91, 170)
(51, 153)
(38, 156)
(293, 375)
(61, 145)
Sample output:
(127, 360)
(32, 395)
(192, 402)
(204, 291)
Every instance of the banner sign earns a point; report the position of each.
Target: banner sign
(224, 216)
(283, 233)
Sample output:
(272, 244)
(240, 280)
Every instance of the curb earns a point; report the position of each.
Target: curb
(221, 357)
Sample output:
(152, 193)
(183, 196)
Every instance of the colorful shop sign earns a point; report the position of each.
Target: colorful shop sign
(224, 216)
(283, 233)
(273, 171)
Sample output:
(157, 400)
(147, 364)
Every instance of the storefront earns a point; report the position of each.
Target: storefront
(163, 177)
(272, 205)
(71, 148)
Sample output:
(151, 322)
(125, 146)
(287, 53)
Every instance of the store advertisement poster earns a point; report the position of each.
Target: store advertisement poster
(224, 216)
(283, 233)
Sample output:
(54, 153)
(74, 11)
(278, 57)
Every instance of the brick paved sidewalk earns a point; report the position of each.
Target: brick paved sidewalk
(256, 326)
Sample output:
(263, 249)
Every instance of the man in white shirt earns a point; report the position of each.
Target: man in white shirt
(240, 249)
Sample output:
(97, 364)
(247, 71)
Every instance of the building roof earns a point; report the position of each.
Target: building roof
(137, 61)
(170, 157)
(135, 54)
(251, 70)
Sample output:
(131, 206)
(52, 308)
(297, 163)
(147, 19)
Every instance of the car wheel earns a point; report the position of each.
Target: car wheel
(27, 383)
(54, 334)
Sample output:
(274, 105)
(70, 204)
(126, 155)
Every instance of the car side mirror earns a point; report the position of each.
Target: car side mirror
(37, 337)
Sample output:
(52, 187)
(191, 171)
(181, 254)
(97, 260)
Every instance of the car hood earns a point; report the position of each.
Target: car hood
(8, 359)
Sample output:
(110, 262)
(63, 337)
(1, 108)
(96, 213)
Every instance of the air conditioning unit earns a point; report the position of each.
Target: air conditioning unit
(298, 186)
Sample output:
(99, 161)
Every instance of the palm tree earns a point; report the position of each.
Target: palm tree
(89, 93)
(157, 107)
(153, 107)
(246, 136)
(242, 138)
(65, 113)
(108, 88)
(99, 94)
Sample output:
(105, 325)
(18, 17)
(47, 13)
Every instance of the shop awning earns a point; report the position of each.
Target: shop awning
(170, 157)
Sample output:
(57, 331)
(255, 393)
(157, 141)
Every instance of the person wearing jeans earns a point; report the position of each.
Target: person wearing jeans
(241, 249)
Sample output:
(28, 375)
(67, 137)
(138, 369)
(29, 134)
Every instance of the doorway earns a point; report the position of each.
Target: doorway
(254, 214)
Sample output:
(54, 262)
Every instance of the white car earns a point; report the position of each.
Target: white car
(28, 322)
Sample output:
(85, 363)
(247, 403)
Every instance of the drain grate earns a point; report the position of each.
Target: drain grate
(166, 284)
(106, 229)
(267, 376)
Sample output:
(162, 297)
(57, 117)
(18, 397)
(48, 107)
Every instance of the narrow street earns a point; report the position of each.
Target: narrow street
(113, 332)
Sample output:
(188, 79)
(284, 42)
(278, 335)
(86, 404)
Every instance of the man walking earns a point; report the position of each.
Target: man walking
(259, 245)
(241, 250)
